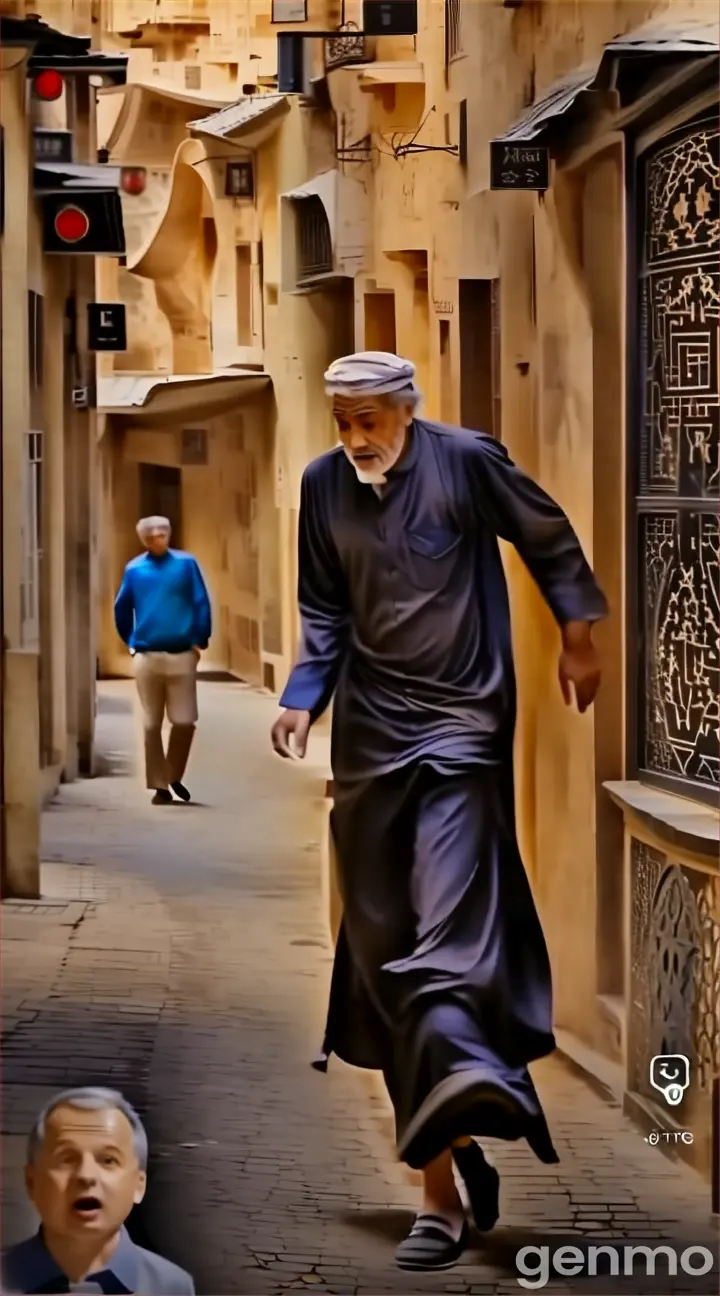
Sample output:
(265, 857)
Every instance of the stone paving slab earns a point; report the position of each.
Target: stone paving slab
(194, 975)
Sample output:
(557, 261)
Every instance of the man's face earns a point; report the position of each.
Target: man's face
(373, 435)
(85, 1178)
(157, 541)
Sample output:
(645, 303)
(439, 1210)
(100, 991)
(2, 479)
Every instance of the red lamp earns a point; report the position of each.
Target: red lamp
(133, 180)
(71, 224)
(48, 85)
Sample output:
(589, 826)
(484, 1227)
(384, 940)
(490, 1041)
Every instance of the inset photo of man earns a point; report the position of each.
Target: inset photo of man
(86, 1169)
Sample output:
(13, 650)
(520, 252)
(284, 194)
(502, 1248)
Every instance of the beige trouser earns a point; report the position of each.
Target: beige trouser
(167, 682)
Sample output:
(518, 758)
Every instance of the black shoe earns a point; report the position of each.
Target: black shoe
(429, 1246)
(482, 1182)
(180, 791)
(162, 797)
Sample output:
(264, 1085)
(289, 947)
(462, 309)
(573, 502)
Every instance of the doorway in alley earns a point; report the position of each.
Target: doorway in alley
(161, 496)
(480, 355)
(380, 329)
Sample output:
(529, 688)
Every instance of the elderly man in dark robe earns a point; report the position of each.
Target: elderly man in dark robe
(441, 977)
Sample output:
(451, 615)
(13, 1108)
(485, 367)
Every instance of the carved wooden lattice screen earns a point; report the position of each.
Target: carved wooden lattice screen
(677, 469)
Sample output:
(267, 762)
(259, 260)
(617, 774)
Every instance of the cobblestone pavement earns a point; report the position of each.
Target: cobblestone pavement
(181, 955)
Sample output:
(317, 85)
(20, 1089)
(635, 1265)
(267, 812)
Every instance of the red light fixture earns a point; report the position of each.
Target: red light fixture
(71, 224)
(133, 180)
(48, 85)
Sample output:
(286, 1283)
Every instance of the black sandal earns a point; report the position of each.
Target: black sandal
(430, 1246)
(482, 1182)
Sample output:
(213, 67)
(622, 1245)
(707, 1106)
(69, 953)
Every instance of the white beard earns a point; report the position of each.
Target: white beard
(374, 476)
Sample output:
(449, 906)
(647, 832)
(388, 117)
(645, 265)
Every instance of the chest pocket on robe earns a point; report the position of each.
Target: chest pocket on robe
(432, 551)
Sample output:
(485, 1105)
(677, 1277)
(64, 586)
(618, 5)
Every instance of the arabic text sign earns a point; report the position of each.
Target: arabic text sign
(519, 166)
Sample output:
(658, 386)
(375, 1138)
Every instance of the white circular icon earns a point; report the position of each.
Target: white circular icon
(670, 1075)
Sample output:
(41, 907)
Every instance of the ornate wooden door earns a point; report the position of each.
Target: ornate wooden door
(677, 464)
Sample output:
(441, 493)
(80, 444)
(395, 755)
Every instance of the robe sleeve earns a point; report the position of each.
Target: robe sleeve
(520, 511)
(324, 609)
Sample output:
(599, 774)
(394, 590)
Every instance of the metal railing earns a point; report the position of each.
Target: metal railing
(345, 47)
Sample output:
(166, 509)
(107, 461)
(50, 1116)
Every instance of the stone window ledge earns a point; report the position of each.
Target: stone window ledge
(675, 820)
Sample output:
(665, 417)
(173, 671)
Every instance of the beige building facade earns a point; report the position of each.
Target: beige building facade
(379, 228)
(214, 410)
(273, 229)
(49, 525)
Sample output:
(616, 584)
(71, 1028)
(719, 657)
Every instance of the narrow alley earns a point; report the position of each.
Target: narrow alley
(182, 956)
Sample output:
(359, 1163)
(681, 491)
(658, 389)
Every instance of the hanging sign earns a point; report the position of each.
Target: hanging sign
(107, 329)
(52, 145)
(519, 166)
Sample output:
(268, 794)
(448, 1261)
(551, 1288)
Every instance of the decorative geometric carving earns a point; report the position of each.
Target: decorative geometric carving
(680, 632)
(345, 47)
(679, 546)
(683, 204)
(675, 968)
(680, 315)
(647, 866)
(673, 954)
(707, 1029)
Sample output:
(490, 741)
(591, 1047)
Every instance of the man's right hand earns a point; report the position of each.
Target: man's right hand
(291, 726)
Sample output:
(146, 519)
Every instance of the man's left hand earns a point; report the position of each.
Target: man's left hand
(579, 666)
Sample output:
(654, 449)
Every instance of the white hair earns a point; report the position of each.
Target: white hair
(153, 524)
(90, 1099)
(410, 396)
(406, 396)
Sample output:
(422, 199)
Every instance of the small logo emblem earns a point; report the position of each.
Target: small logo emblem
(670, 1074)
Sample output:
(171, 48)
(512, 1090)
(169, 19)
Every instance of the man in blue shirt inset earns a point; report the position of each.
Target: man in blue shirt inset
(86, 1169)
(162, 612)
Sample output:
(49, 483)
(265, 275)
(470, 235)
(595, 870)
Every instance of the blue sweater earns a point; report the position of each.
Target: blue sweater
(163, 604)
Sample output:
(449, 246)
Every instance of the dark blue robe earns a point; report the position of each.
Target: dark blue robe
(441, 976)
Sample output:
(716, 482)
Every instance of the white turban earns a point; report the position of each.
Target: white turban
(369, 373)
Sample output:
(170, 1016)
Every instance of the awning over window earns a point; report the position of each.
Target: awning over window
(129, 121)
(64, 177)
(324, 187)
(112, 68)
(553, 105)
(652, 42)
(32, 33)
(252, 119)
(55, 49)
(187, 394)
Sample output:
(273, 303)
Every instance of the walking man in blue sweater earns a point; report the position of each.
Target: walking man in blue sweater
(162, 613)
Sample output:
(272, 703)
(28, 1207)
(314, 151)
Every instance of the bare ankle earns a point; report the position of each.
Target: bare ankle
(440, 1194)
